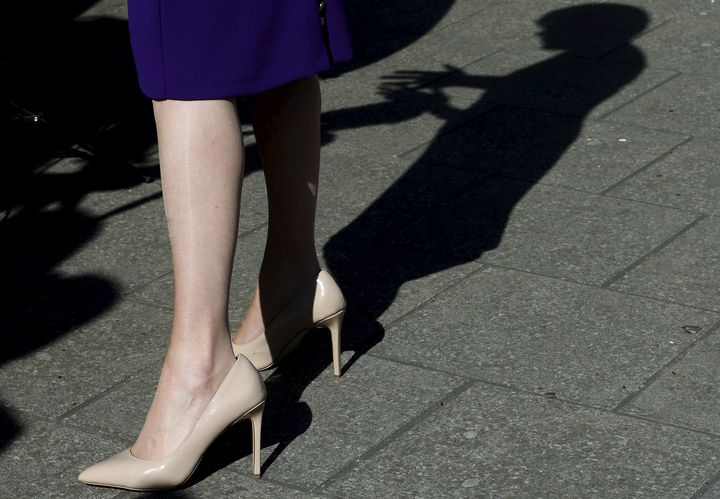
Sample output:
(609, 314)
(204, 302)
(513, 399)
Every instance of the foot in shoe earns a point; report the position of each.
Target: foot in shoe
(318, 303)
(241, 395)
(183, 392)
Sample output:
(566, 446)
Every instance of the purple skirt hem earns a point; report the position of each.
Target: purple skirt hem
(217, 49)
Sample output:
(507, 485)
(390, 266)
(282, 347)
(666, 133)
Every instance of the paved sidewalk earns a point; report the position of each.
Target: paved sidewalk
(519, 198)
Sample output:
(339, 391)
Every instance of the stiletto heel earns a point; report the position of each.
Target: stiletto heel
(334, 323)
(256, 420)
(240, 396)
(319, 303)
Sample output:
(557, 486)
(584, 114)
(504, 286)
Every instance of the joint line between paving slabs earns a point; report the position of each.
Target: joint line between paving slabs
(129, 206)
(471, 15)
(289, 485)
(292, 486)
(433, 369)
(98, 396)
(640, 170)
(395, 435)
(522, 391)
(643, 258)
(666, 301)
(712, 481)
(606, 115)
(678, 357)
(454, 283)
(490, 265)
(633, 39)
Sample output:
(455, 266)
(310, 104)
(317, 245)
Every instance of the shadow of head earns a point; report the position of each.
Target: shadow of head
(588, 28)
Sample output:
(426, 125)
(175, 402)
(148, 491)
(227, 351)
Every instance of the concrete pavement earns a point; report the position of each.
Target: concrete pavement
(520, 201)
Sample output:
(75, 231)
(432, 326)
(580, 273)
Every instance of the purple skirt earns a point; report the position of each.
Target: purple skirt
(214, 49)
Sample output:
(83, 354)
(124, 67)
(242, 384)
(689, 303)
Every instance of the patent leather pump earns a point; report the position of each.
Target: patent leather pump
(240, 396)
(319, 303)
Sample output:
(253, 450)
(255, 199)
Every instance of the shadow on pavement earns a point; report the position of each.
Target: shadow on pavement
(419, 226)
(69, 91)
(429, 220)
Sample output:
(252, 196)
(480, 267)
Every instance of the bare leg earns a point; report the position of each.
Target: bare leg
(286, 121)
(201, 163)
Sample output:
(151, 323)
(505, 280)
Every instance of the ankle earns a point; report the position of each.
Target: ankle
(203, 354)
(289, 270)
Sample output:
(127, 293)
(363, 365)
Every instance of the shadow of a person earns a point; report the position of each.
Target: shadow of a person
(435, 217)
(453, 203)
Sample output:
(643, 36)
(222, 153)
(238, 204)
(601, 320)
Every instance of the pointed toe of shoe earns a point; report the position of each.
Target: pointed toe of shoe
(92, 474)
(112, 472)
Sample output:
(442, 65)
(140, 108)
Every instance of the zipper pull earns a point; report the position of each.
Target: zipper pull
(322, 8)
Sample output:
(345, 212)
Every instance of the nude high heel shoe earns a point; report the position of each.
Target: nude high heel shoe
(319, 303)
(240, 396)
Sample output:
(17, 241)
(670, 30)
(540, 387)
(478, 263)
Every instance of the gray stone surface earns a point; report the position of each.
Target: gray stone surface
(545, 336)
(548, 230)
(486, 178)
(555, 82)
(386, 125)
(713, 491)
(225, 483)
(687, 43)
(688, 178)
(46, 459)
(686, 391)
(361, 269)
(129, 247)
(686, 104)
(686, 271)
(491, 442)
(86, 360)
(388, 195)
(547, 148)
(107, 8)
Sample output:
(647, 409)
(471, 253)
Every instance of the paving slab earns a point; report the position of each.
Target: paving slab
(543, 229)
(662, 10)
(713, 491)
(686, 271)
(387, 195)
(543, 335)
(107, 8)
(686, 178)
(373, 399)
(687, 104)
(472, 38)
(686, 391)
(225, 483)
(386, 124)
(46, 460)
(492, 442)
(590, 30)
(405, 16)
(375, 294)
(546, 148)
(86, 361)
(458, 43)
(131, 247)
(686, 42)
(555, 81)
